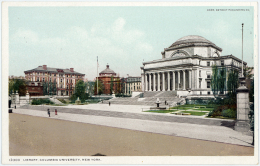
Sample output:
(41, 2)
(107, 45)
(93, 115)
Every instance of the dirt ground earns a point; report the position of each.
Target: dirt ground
(37, 136)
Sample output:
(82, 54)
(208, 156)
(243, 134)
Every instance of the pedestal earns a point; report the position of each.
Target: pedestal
(242, 123)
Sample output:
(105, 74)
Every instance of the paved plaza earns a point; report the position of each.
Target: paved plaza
(131, 117)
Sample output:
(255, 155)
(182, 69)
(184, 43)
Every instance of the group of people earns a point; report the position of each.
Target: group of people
(49, 113)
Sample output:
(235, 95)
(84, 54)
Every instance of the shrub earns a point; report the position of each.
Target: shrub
(229, 113)
(41, 101)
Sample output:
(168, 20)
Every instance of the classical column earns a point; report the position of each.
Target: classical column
(168, 77)
(158, 85)
(150, 81)
(183, 75)
(190, 79)
(173, 80)
(154, 82)
(163, 81)
(146, 83)
(179, 81)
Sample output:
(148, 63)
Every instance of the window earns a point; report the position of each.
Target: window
(67, 86)
(70, 81)
(208, 76)
(43, 79)
(208, 84)
(208, 93)
(50, 74)
(199, 62)
(67, 81)
(61, 80)
(208, 63)
(200, 93)
(199, 84)
(200, 73)
(222, 63)
(50, 79)
(54, 74)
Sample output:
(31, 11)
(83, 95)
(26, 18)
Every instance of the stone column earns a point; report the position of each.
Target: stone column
(183, 75)
(159, 83)
(154, 82)
(150, 81)
(242, 123)
(146, 83)
(163, 81)
(168, 77)
(173, 80)
(190, 79)
(179, 81)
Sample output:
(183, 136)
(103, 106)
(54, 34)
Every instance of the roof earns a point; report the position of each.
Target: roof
(193, 40)
(107, 71)
(53, 70)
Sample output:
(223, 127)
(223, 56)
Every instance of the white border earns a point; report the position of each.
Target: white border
(125, 159)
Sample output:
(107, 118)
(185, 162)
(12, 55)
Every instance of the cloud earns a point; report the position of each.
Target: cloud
(114, 43)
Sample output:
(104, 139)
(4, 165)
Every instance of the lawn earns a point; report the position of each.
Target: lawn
(161, 111)
(195, 113)
(203, 109)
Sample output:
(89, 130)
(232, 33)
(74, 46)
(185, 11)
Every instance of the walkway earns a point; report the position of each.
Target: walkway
(190, 126)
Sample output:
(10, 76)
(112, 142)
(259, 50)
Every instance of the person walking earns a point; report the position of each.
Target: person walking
(49, 113)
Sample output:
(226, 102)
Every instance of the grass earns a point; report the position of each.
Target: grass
(203, 109)
(195, 113)
(161, 111)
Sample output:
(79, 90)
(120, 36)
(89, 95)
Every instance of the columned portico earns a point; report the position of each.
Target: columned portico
(179, 80)
(173, 80)
(183, 76)
(150, 82)
(190, 79)
(163, 81)
(168, 77)
(158, 84)
(154, 82)
(146, 83)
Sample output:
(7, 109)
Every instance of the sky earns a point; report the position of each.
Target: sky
(123, 37)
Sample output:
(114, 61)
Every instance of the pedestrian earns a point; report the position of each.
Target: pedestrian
(49, 113)
(109, 103)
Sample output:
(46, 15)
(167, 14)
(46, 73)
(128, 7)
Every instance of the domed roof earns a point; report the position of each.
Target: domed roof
(107, 71)
(192, 40)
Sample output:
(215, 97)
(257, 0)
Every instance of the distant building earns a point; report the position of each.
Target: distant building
(90, 87)
(106, 76)
(132, 84)
(64, 79)
(186, 67)
(34, 88)
(16, 77)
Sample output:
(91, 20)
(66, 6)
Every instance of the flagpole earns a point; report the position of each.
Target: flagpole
(242, 52)
(97, 75)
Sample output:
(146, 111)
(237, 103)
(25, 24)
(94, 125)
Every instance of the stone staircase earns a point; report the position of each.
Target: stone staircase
(149, 99)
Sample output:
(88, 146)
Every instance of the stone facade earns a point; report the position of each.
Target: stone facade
(186, 67)
(132, 84)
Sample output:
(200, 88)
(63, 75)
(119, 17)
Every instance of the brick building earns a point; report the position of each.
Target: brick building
(63, 79)
(105, 77)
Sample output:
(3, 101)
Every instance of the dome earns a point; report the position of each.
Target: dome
(193, 40)
(108, 71)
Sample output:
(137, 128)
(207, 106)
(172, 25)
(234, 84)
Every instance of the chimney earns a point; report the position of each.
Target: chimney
(72, 69)
(44, 67)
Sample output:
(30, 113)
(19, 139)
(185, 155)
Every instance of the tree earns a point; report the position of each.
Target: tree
(80, 91)
(218, 80)
(18, 85)
(111, 85)
(232, 83)
(100, 87)
(251, 92)
(248, 72)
